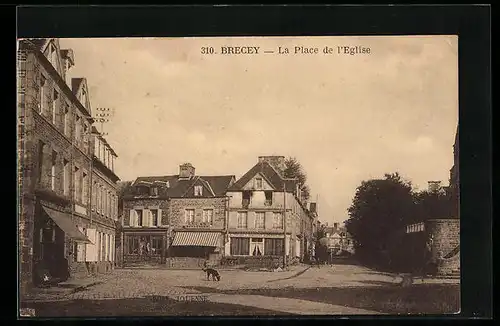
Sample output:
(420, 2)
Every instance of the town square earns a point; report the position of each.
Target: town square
(160, 178)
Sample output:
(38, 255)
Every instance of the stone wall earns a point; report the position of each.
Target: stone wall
(179, 205)
(446, 237)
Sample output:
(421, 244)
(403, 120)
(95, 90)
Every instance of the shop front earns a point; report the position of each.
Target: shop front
(193, 249)
(53, 232)
(144, 248)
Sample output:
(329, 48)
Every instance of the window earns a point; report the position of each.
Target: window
(132, 244)
(67, 121)
(269, 198)
(142, 190)
(41, 107)
(198, 190)
(76, 183)
(41, 165)
(78, 130)
(55, 97)
(66, 177)
(189, 216)
(259, 220)
(154, 217)
(208, 216)
(53, 171)
(154, 191)
(274, 247)
(156, 245)
(84, 188)
(257, 246)
(139, 217)
(240, 246)
(246, 199)
(242, 220)
(258, 183)
(278, 221)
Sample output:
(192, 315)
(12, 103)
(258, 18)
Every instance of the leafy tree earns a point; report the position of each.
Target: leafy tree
(293, 169)
(380, 208)
(435, 204)
(321, 250)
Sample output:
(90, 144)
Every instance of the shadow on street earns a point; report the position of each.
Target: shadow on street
(386, 298)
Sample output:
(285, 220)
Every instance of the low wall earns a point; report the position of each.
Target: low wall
(254, 262)
(185, 262)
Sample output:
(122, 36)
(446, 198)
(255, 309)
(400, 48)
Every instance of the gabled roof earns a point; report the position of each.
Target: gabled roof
(178, 188)
(271, 175)
(77, 84)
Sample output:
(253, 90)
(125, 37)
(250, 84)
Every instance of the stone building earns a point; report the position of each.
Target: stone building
(177, 220)
(260, 201)
(55, 149)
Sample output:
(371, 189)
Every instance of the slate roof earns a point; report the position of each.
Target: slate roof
(179, 187)
(271, 175)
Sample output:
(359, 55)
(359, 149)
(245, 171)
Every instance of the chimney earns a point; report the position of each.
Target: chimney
(186, 171)
(277, 162)
(68, 61)
(434, 186)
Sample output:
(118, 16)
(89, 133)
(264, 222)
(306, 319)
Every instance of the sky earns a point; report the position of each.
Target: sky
(346, 118)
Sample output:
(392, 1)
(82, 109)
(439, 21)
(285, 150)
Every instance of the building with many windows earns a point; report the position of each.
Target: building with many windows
(55, 164)
(177, 220)
(260, 204)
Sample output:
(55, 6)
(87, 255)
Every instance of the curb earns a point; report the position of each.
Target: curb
(84, 287)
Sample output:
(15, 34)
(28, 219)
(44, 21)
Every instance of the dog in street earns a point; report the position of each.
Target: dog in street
(212, 273)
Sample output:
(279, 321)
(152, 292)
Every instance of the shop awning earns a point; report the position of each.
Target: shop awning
(202, 239)
(66, 224)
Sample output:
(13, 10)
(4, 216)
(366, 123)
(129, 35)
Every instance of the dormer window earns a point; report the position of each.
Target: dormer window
(154, 191)
(142, 190)
(198, 190)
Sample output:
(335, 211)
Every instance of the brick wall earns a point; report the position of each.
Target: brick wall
(446, 237)
(179, 205)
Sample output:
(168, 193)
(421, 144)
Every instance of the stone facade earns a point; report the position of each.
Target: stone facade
(178, 207)
(131, 231)
(54, 151)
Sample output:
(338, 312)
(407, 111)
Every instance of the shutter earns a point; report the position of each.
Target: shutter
(90, 248)
(147, 218)
(133, 218)
(160, 218)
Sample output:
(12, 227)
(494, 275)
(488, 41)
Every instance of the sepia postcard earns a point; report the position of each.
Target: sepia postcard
(238, 176)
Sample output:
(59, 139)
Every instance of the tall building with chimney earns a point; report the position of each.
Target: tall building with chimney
(266, 216)
(55, 166)
(175, 220)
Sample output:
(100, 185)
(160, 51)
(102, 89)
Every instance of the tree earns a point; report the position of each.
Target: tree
(122, 190)
(321, 250)
(435, 204)
(293, 169)
(380, 208)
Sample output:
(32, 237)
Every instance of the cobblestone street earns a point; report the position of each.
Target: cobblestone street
(246, 288)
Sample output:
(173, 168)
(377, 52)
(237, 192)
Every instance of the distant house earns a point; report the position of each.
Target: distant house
(177, 220)
(339, 240)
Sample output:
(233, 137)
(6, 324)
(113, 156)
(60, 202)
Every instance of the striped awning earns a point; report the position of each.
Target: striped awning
(202, 239)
